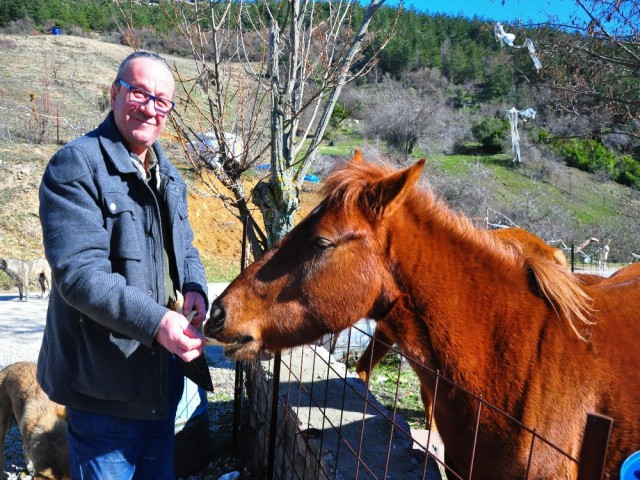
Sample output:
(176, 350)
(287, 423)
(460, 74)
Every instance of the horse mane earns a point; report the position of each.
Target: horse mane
(350, 186)
(350, 183)
(564, 293)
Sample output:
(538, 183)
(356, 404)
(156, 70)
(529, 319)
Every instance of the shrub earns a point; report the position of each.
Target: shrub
(589, 155)
(542, 135)
(491, 133)
(594, 157)
(628, 172)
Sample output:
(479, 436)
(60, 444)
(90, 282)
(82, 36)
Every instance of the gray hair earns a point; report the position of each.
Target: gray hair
(139, 54)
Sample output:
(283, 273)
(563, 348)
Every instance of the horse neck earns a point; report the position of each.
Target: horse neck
(451, 277)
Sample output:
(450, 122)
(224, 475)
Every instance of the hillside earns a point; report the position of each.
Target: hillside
(73, 74)
(45, 76)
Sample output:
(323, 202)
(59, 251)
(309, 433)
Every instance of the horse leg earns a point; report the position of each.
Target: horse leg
(46, 278)
(334, 342)
(25, 285)
(378, 347)
(428, 408)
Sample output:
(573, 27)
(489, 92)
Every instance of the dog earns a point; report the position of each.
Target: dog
(23, 272)
(41, 422)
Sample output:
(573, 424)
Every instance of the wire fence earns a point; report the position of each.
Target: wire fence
(304, 415)
(35, 124)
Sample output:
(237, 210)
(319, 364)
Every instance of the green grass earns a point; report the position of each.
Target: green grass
(220, 270)
(341, 148)
(395, 385)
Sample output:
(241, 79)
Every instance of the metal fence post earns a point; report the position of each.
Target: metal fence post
(594, 447)
(273, 429)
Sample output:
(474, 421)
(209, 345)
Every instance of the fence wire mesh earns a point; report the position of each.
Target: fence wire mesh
(306, 415)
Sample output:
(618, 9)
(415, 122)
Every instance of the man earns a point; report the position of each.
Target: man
(117, 236)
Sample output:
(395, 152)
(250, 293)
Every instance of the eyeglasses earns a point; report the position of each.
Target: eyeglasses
(141, 97)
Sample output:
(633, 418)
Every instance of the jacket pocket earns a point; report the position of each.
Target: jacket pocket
(107, 364)
(123, 226)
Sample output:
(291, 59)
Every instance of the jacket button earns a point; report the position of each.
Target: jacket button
(153, 411)
(112, 207)
(150, 292)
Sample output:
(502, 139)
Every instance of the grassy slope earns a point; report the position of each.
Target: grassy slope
(580, 193)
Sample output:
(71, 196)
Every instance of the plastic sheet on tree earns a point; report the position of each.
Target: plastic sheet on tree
(509, 38)
(513, 114)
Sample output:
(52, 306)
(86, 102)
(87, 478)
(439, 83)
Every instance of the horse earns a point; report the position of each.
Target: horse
(627, 272)
(519, 332)
(383, 338)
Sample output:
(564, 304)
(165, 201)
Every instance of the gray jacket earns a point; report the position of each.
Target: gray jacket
(102, 238)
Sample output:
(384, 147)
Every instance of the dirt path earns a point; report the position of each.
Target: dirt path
(21, 327)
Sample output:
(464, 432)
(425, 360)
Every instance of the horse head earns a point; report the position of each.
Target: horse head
(324, 275)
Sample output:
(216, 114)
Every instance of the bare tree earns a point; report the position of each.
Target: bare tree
(593, 67)
(271, 105)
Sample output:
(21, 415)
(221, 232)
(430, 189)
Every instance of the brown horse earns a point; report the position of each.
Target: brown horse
(517, 330)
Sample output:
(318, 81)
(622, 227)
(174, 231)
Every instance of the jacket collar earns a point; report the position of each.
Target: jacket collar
(116, 151)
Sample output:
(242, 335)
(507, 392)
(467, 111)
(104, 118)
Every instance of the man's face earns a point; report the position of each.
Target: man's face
(140, 125)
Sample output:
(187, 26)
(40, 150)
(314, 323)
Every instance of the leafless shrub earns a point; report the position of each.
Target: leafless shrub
(465, 194)
(23, 26)
(567, 125)
(112, 37)
(76, 31)
(427, 80)
(404, 115)
(542, 164)
(172, 42)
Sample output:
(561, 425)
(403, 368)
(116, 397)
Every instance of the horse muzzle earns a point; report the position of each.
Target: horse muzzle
(214, 331)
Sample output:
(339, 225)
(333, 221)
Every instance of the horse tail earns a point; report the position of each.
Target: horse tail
(565, 295)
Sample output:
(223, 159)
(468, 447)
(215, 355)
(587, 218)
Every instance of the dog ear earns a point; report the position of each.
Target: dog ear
(61, 411)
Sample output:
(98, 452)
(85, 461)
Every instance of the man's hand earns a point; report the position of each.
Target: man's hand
(193, 301)
(177, 335)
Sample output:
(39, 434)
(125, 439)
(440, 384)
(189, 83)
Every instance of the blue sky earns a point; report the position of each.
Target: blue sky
(531, 11)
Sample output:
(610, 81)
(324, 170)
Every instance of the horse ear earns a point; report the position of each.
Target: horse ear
(388, 193)
(357, 157)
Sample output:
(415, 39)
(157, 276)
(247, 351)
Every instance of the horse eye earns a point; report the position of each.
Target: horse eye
(321, 244)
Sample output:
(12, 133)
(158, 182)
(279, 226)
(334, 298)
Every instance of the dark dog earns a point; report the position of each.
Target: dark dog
(23, 272)
(42, 423)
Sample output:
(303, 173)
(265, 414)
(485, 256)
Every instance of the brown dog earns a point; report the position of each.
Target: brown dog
(42, 423)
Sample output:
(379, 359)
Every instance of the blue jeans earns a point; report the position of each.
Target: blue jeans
(105, 447)
(108, 447)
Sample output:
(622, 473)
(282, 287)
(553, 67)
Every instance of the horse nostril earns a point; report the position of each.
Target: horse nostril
(217, 314)
(216, 319)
